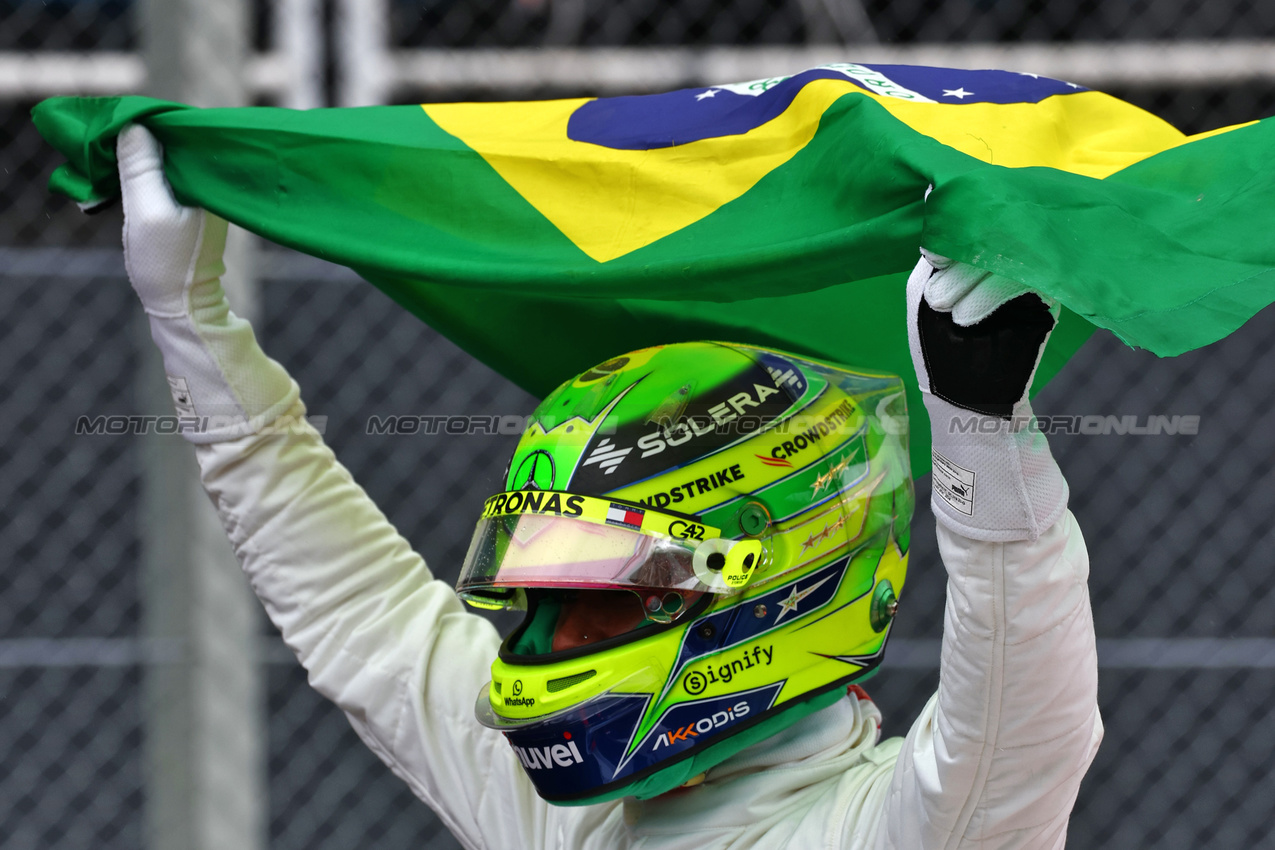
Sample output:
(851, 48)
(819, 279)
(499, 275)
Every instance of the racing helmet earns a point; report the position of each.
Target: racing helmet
(753, 506)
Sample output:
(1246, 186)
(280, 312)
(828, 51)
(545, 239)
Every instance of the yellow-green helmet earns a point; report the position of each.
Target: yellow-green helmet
(755, 503)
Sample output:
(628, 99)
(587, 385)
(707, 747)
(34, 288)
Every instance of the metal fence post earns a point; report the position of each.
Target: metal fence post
(298, 26)
(205, 708)
(364, 67)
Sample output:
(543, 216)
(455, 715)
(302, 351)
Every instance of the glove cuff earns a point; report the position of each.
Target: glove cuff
(994, 478)
(223, 385)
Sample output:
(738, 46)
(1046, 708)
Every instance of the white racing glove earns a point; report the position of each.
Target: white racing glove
(976, 340)
(223, 385)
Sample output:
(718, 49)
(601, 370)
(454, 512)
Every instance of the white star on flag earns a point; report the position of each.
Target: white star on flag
(959, 94)
(709, 93)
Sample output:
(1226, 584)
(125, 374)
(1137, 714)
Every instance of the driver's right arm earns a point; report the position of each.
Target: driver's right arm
(378, 635)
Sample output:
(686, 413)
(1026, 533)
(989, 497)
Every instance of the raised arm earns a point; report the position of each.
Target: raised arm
(378, 635)
(996, 758)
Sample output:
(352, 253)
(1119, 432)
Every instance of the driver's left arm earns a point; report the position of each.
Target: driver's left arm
(996, 758)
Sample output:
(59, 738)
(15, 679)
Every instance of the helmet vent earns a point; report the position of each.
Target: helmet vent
(555, 685)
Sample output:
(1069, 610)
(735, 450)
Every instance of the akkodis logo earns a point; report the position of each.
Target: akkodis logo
(702, 726)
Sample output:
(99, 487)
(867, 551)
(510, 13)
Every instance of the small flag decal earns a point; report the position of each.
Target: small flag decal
(625, 516)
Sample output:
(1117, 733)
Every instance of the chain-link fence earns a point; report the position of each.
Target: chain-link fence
(1183, 588)
(109, 24)
(644, 23)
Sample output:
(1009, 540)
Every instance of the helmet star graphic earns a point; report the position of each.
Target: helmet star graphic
(816, 538)
(810, 542)
(851, 504)
(789, 605)
(829, 530)
(826, 478)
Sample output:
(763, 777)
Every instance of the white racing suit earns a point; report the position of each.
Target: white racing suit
(994, 760)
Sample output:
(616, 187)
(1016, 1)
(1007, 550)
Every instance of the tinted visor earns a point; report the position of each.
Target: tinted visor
(561, 540)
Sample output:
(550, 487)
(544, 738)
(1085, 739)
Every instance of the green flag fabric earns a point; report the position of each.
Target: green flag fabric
(546, 236)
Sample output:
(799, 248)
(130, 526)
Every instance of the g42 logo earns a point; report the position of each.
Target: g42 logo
(685, 530)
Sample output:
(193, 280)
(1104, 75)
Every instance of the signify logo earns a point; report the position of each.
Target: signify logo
(757, 656)
(702, 726)
(550, 756)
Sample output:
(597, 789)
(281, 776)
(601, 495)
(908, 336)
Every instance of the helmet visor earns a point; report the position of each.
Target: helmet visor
(535, 539)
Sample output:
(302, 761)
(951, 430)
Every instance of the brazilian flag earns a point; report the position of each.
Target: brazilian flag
(546, 236)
